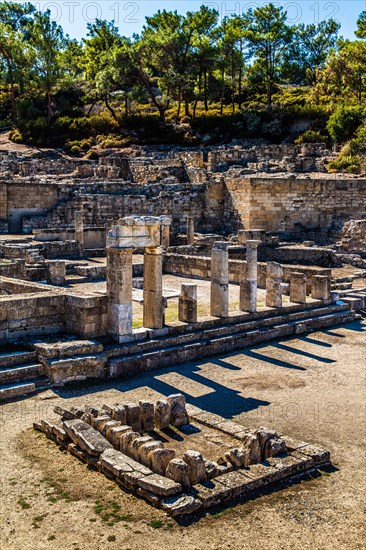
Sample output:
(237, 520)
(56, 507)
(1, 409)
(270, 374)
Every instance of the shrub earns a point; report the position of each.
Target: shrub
(15, 136)
(344, 122)
(310, 136)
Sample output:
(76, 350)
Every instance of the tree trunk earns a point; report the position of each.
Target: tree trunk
(13, 105)
(195, 108)
(186, 107)
(240, 77)
(269, 92)
(110, 109)
(222, 93)
(49, 109)
(91, 108)
(126, 105)
(205, 90)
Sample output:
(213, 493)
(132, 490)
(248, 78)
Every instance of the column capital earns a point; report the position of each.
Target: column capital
(252, 243)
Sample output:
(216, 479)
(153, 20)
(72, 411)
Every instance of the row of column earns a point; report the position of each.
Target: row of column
(119, 288)
(248, 282)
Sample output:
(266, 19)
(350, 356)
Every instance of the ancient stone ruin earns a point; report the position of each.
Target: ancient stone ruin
(135, 444)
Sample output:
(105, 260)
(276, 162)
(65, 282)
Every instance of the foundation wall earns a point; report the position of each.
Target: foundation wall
(289, 204)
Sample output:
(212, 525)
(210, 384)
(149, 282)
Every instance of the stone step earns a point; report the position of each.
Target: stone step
(70, 348)
(230, 329)
(16, 390)
(13, 358)
(20, 373)
(170, 355)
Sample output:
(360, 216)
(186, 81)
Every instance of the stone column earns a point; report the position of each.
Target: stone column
(248, 279)
(190, 230)
(320, 288)
(220, 279)
(298, 288)
(188, 303)
(153, 313)
(165, 236)
(57, 272)
(273, 285)
(119, 291)
(79, 231)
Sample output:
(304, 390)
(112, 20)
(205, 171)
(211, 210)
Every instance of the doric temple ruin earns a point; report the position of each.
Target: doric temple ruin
(116, 267)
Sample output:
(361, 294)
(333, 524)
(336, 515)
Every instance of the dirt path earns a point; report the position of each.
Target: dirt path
(311, 388)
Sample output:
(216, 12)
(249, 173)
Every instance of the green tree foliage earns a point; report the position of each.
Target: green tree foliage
(309, 50)
(269, 38)
(248, 75)
(344, 122)
(361, 26)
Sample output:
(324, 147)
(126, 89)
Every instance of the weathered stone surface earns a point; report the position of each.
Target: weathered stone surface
(159, 485)
(252, 448)
(237, 457)
(136, 444)
(126, 440)
(160, 459)
(146, 449)
(180, 504)
(119, 413)
(178, 470)
(119, 464)
(196, 466)
(86, 437)
(100, 421)
(162, 414)
(116, 433)
(178, 411)
(147, 416)
(133, 416)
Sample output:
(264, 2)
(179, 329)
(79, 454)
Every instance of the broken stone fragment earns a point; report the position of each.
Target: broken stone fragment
(159, 485)
(196, 466)
(252, 448)
(108, 426)
(160, 459)
(136, 444)
(119, 413)
(119, 464)
(68, 414)
(146, 449)
(162, 415)
(116, 433)
(177, 470)
(86, 437)
(94, 411)
(127, 439)
(108, 409)
(147, 416)
(212, 469)
(237, 457)
(100, 421)
(133, 416)
(178, 411)
(180, 504)
(274, 447)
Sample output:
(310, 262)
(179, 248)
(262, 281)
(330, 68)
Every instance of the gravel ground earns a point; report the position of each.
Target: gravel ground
(311, 388)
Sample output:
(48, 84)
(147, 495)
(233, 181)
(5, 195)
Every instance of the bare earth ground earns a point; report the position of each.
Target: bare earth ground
(311, 388)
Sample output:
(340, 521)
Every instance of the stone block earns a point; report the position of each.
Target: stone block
(196, 466)
(146, 449)
(180, 504)
(162, 415)
(160, 485)
(147, 416)
(133, 416)
(160, 459)
(178, 470)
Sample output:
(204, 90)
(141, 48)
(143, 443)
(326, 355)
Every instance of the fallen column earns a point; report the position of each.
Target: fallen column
(220, 279)
(273, 285)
